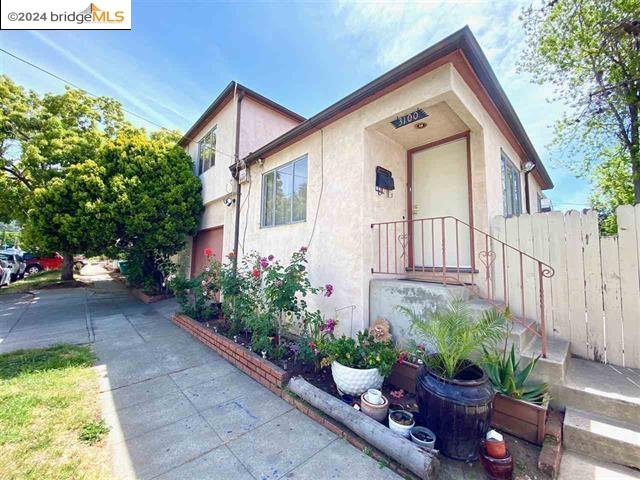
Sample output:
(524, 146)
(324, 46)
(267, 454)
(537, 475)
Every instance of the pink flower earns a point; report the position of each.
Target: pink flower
(270, 258)
(328, 290)
(255, 273)
(312, 345)
(397, 394)
(402, 357)
(303, 249)
(208, 252)
(264, 263)
(329, 326)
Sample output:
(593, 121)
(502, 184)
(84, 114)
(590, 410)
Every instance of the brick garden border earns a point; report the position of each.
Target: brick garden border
(276, 379)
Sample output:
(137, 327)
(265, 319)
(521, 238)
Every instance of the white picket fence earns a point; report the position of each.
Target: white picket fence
(593, 299)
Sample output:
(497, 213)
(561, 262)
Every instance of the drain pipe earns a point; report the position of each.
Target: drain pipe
(528, 168)
(236, 232)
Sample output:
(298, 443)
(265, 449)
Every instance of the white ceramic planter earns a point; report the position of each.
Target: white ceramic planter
(403, 430)
(354, 381)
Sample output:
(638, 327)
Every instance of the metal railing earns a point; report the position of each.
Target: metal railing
(451, 251)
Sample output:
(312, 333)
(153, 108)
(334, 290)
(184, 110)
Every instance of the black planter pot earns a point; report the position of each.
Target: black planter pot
(458, 411)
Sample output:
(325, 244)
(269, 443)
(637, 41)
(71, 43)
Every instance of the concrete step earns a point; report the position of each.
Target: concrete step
(602, 437)
(519, 336)
(551, 369)
(599, 388)
(577, 466)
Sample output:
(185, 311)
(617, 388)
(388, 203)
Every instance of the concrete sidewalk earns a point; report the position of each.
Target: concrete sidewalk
(176, 409)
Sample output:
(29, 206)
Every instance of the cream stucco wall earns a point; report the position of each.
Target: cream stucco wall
(341, 164)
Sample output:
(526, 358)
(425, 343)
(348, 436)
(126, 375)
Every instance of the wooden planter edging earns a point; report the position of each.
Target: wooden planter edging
(403, 375)
(261, 370)
(523, 419)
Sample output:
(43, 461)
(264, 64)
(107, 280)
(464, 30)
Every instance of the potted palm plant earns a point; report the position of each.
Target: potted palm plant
(519, 408)
(454, 394)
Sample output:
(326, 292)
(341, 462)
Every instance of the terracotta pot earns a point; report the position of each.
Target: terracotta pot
(377, 412)
(496, 468)
(496, 448)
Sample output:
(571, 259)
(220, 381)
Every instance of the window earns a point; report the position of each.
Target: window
(511, 192)
(284, 194)
(207, 151)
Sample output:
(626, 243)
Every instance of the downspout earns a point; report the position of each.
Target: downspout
(236, 232)
(527, 203)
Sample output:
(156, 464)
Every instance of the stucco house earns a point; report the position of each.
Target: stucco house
(398, 179)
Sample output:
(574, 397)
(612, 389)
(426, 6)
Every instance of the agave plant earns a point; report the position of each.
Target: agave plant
(509, 379)
(455, 335)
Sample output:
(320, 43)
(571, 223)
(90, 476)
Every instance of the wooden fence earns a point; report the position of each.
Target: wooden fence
(593, 299)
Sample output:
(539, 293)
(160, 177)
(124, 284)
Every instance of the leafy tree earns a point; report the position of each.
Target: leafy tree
(612, 186)
(590, 51)
(42, 140)
(72, 214)
(156, 198)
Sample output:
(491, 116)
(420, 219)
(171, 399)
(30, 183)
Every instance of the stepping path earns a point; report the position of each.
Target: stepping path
(176, 409)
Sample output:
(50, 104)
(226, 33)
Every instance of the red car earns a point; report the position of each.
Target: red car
(37, 263)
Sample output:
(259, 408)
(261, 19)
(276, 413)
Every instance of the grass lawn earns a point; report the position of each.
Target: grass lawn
(31, 282)
(50, 426)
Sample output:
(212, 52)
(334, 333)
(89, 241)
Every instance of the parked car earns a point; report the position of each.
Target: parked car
(15, 263)
(37, 263)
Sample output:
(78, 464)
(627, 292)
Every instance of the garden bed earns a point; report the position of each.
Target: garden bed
(137, 292)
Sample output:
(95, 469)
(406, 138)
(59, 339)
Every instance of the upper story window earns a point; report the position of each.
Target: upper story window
(207, 151)
(284, 194)
(511, 190)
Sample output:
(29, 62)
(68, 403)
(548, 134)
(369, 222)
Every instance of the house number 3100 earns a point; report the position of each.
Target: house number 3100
(409, 118)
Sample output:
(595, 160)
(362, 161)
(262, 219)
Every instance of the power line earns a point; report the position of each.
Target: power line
(57, 77)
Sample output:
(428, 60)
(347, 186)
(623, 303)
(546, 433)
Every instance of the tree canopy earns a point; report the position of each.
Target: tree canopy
(589, 50)
(80, 179)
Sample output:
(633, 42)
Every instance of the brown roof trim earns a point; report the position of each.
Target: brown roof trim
(221, 100)
(441, 53)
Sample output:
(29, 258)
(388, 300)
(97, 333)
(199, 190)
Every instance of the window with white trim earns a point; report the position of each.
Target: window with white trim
(284, 194)
(207, 151)
(511, 189)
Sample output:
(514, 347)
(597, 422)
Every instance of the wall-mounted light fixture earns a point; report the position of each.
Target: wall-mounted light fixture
(528, 168)
(229, 201)
(420, 125)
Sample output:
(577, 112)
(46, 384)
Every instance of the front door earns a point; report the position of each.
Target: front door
(440, 188)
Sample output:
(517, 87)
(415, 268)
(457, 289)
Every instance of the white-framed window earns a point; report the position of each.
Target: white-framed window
(284, 194)
(511, 189)
(207, 151)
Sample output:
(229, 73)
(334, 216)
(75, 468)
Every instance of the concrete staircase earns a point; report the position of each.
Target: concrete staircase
(602, 411)
(601, 402)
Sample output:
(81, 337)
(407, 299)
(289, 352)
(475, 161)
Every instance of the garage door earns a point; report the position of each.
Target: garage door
(209, 238)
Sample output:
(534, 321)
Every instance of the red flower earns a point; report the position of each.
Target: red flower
(255, 272)
(312, 345)
(208, 252)
(402, 357)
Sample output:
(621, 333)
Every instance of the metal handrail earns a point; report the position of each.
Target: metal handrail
(487, 257)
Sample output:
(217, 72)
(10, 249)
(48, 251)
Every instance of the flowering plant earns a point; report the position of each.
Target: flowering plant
(198, 296)
(363, 352)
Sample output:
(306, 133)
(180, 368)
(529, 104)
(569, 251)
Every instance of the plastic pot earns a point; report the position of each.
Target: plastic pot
(458, 411)
(401, 428)
(424, 437)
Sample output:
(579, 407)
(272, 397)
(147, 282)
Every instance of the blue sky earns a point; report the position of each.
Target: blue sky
(305, 55)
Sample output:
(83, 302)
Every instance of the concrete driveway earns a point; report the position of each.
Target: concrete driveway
(176, 409)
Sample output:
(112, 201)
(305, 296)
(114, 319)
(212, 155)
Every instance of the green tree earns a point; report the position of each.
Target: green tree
(42, 140)
(156, 196)
(612, 186)
(73, 214)
(589, 50)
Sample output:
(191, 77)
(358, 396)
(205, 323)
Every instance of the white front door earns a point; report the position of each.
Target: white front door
(440, 188)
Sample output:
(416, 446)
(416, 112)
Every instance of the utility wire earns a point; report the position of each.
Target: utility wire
(57, 77)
